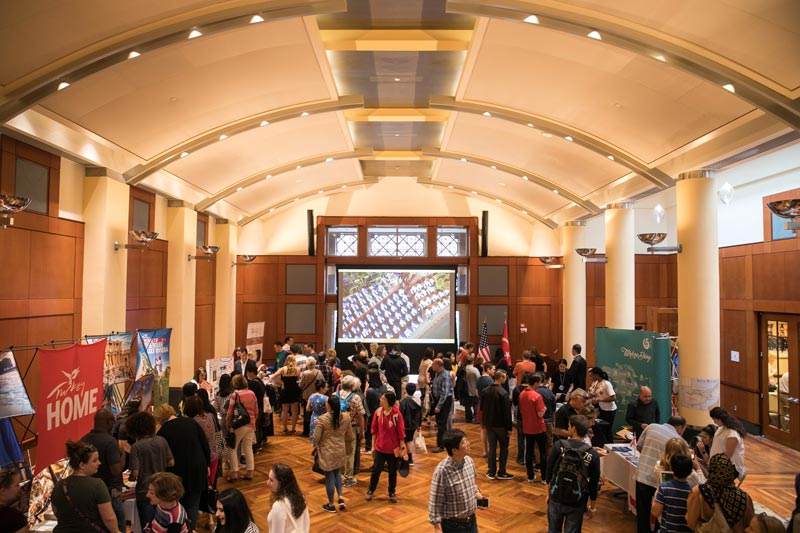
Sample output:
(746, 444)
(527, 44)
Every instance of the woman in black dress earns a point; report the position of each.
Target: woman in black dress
(290, 394)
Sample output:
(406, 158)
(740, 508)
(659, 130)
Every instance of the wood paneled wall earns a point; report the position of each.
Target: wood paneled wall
(42, 271)
(754, 278)
(146, 301)
(205, 295)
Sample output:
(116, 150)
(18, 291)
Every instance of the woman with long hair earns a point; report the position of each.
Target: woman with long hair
(233, 513)
(81, 502)
(200, 379)
(290, 394)
(332, 431)
(246, 434)
(601, 394)
(423, 379)
(719, 490)
(316, 406)
(289, 513)
(674, 447)
(389, 431)
(702, 446)
(729, 439)
(562, 382)
(13, 520)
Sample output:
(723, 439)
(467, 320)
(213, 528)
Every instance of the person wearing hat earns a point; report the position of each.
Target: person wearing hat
(577, 401)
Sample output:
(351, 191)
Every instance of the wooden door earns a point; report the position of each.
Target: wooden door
(780, 397)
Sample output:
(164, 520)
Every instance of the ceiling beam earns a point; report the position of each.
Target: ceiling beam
(23, 93)
(397, 114)
(532, 177)
(749, 85)
(579, 137)
(270, 173)
(135, 175)
(393, 40)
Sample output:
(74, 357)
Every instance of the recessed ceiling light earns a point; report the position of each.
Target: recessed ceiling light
(298, 167)
(319, 192)
(531, 19)
(474, 192)
(344, 186)
(397, 79)
(661, 58)
(569, 138)
(729, 87)
(133, 54)
(524, 212)
(256, 19)
(494, 167)
(498, 200)
(268, 176)
(184, 154)
(611, 157)
(304, 114)
(572, 204)
(328, 159)
(487, 114)
(63, 85)
(264, 123)
(546, 135)
(555, 191)
(223, 137)
(194, 34)
(296, 199)
(463, 159)
(530, 125)
(449, 186)
(271, 209)
(594, 34)
(525, 178)
(239, 189)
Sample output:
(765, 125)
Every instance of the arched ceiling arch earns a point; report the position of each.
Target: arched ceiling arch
(636, 101)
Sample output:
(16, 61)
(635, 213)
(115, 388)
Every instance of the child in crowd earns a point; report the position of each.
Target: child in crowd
(164, 492)
(411, 409)
(669, 503)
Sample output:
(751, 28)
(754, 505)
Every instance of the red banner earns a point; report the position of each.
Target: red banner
(70, 393)
(504, 344)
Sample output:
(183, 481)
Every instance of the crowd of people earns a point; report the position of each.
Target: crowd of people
(175, 457)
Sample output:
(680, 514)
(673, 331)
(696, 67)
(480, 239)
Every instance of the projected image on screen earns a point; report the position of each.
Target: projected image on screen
(395, 305)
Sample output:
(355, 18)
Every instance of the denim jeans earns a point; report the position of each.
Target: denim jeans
(333, 479)
(377, 468)
(497, 436)
(451, 526)
(566, 518)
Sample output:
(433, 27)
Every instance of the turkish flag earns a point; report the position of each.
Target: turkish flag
(504, 344)
(71, 392)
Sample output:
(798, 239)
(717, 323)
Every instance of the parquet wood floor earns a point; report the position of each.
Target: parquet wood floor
(515, 505)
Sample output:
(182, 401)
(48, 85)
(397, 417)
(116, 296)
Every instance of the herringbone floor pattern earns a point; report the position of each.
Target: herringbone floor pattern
(515, 505)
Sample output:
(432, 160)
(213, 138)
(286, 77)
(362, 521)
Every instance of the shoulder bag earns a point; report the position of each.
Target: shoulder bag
(80, 513)
(240, 415)
(295, 528)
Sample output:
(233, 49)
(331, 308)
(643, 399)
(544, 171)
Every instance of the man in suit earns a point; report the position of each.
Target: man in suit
(577, 370)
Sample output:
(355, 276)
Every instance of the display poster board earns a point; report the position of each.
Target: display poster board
(152, 366)
(117, 370)
(255, 337)
(215, 368)
(634, 359)
(14, 400)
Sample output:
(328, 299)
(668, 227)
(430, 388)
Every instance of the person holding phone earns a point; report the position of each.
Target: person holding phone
(455, 495)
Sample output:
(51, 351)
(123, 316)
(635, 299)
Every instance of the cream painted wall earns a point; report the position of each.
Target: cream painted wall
(510, 234)
(70, 192)
(160, 223)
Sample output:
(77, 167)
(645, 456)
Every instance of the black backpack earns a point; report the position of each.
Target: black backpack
(460, 390)
(571, 479)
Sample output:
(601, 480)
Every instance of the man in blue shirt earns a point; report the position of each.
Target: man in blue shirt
(442, 394)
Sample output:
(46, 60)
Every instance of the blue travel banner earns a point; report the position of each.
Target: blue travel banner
(153, 360)
(634, 359)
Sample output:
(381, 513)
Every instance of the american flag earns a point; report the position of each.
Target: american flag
(483, 346)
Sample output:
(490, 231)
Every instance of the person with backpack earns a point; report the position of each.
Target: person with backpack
(411, 409)
(573, 480)
(350, 402)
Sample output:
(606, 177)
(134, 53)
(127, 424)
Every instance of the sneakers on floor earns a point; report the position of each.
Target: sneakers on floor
(505, 476)
(329, 507)
(350, 482)
(368, 496)
(531, 480)
(490, 476)
(342, 505)
(393, 498)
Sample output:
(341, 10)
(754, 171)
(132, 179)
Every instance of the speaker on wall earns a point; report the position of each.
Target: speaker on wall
(485, 235)
(310, 223)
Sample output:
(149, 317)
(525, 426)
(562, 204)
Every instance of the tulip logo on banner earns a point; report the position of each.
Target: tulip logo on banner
(71, 392)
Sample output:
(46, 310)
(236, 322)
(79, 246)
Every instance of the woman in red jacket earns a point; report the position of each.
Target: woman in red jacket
(389, 432)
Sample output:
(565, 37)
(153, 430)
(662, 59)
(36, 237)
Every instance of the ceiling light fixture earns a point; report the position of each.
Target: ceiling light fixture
(63, 85)
(304, 114)
(494, 167)
(524, 212)
(328, 159)
(450, 187)
(594, 34)
(195, 34)
(661, 58)
(531, 19)
(296, 199)
(569, 138)
(525, 178)
(264, 123)
(269, 176)
(239, 189)
(397, 79)
(498, 200)
(611, 157)
(133, 54)
(298, 167)
(474, 192)
(184, 154)
(729, 87)
(344, 186)
(463, 159)
(223, 137)
(487, 114)
(256, 19)
(530, 125)
(546, 135)
(555, 191)
(320, 192)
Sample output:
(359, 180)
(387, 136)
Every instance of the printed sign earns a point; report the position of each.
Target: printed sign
(14, 400)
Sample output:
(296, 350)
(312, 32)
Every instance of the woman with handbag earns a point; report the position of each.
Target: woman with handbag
(308, 379)
(316, 406)
(389, 431)
(241, 420)
(290, 393)
(289, 513)
(82, 502)
(193, 408)
(331, 432)
(719, 500)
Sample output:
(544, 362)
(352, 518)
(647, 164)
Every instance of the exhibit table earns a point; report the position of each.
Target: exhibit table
(619, 467)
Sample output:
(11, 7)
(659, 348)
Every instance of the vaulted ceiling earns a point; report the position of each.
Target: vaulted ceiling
(553, 108)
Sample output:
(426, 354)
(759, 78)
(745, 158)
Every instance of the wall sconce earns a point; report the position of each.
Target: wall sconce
(654, 238)
(144, 238)
(210, 252)
(789, 209)
(547, 261)
(246, 260)
(11, 204)
(587, 254)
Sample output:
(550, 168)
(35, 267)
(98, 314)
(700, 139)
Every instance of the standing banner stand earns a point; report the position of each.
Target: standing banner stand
(255, 338)
(634, 359)
(152, 368)
(117, 373)
(215, 368)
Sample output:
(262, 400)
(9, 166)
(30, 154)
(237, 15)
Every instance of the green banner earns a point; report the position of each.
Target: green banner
(633, 359)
